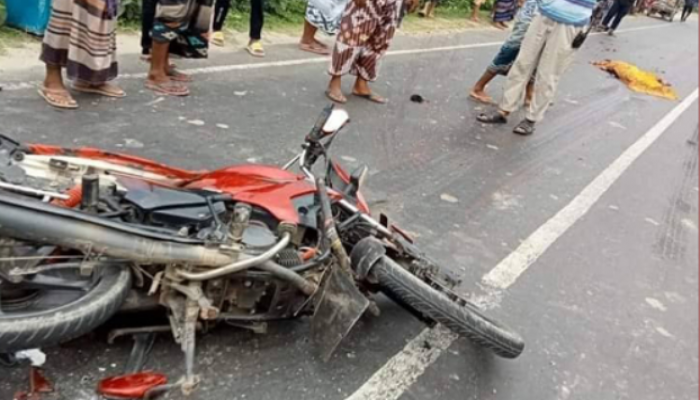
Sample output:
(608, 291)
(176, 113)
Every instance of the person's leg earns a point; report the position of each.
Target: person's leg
(614, 9)
(257, 19)
(525, 64)
(309, 35)
(148, 17)
(478, 92)
(431, 9)
(220, 12)
(159, 79)
(475, 10)
(557, 56)
(622, 11)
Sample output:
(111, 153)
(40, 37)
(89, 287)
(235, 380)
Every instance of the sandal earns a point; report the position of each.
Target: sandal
(168, 88)
(256, 49)
(493, 118)
(525, 128)
(105, 89)
(313, 48)
(338, 99)
(375, 98)
(58, 98)
(175, 75)
(482, 98)
(218, 39)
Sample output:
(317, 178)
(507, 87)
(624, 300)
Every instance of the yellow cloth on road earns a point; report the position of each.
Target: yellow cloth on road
(637, 79)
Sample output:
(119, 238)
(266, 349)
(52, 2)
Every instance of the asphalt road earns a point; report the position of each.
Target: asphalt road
(608, 311)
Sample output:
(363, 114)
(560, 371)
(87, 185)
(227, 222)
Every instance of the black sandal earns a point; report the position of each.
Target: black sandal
(525, 128)
(493, 118)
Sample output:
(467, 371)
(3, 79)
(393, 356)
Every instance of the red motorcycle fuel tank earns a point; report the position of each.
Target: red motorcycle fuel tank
(267, 187)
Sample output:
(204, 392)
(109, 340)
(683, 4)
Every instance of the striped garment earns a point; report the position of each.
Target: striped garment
(568, 12)
(364, 37)
(186, 25)
(81, 37)
(504, 10)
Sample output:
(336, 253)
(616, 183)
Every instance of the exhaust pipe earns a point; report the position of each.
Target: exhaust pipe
(39, 222)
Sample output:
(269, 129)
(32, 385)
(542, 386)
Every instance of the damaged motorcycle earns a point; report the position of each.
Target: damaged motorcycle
(85, 233)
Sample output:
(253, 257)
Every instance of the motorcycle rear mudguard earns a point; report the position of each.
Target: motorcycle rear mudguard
(339, 307)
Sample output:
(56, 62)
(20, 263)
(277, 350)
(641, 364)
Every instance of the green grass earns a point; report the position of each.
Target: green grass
(13, 38)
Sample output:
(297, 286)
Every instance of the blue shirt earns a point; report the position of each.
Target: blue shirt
(568, 12)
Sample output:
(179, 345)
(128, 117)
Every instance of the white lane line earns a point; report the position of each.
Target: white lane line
(10, 87)
(404, 369)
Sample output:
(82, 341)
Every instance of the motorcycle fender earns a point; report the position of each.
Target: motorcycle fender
(340, 306)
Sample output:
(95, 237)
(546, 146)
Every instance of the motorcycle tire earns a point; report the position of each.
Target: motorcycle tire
(68, 322)
(428, 302)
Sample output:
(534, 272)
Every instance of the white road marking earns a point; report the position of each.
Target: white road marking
(404, 369)
(10, 87)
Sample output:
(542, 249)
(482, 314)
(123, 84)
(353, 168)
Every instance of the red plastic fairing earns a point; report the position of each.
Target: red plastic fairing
(267, 187)
(116, 158)
(132, 386)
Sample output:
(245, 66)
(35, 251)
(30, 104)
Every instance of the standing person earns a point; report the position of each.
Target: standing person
(324, 15)
(428, 10)
(547, 48)
(619, 9)
(257, 20)
(181, 27)
(366, 30)
(475, 9)
(80, 38)
(503, 11)
(688, 9)
(506, 56)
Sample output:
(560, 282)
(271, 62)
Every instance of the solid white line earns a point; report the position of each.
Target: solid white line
(10, 87)
(404, 369)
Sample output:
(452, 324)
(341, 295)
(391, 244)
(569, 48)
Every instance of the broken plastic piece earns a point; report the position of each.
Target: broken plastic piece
(131, 386)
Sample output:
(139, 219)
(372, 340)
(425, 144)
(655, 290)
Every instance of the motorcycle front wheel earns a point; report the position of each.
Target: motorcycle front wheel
(58, 308)
(465, 320)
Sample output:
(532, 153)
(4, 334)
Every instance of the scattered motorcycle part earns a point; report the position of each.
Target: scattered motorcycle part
(132, 386)
(416, 98)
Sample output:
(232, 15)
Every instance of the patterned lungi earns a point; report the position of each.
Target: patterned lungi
(81, 37)
(364, 37)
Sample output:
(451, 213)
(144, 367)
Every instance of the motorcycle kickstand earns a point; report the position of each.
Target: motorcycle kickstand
(188, 346)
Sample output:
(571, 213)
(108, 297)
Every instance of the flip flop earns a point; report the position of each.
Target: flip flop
(169, 88)
(53, 97)
(218, 39)
(314, 49)
(525, 128)
(339, 100)
(178, 76)
(256, 49)
(375, 98)
(493, 118)
(486, 99)
(106, 89)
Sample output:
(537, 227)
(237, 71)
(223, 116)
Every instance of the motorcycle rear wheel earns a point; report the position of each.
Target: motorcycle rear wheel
(65, 322)
(466, 321)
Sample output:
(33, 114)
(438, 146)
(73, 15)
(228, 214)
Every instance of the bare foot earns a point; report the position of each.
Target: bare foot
(480, 96)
